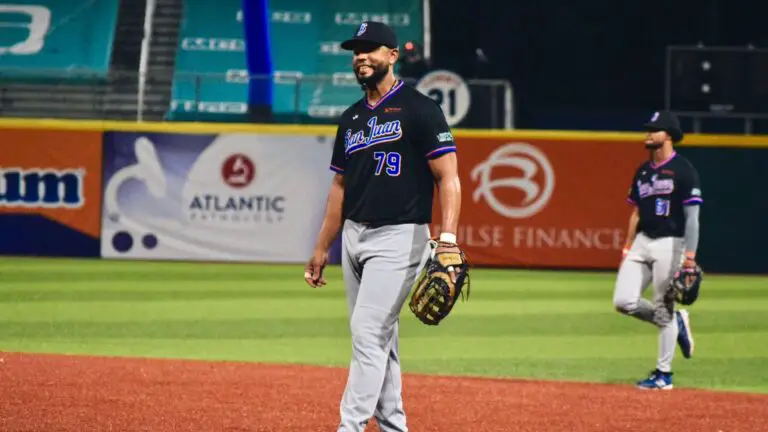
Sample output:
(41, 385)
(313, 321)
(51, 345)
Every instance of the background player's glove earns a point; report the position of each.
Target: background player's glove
(442, 282)
(686, 283)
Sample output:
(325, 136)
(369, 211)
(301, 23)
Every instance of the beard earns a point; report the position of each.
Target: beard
(372, 80)
(653, 145)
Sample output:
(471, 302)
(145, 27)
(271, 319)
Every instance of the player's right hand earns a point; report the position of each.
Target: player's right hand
(313, 272)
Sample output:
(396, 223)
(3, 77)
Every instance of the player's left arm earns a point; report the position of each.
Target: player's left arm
(692, 200)
(438, 146)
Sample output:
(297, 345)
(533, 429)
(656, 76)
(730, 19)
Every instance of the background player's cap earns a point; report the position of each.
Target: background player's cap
(371, 33)
(667, 122)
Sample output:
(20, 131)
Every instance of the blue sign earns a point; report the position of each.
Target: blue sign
(47, 37)
(258, 56)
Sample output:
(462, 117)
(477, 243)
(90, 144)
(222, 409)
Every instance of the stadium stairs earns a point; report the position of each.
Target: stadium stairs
(162, 58)
(121, 97)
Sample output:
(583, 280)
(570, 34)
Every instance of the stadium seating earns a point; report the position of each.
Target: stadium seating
(80, 58)
(209, 58)
(210, 81)
(45, 39)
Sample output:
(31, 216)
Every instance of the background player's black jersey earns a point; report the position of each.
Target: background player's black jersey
(383, 151)
(660, 191)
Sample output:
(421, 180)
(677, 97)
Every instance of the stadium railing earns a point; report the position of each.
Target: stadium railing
(320, 99)
(297, 99)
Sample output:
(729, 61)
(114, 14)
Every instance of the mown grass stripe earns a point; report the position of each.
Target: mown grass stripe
(574, 326)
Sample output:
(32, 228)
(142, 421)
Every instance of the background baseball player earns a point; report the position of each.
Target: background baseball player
(663, 232)
(391, 148)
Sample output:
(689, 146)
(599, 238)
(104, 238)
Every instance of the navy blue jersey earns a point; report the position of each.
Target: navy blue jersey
(660, 191)
(383, 152)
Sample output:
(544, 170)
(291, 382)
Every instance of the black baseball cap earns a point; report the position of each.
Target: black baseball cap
(371, 33)
(667, 122)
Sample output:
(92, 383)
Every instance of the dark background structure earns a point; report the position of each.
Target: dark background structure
(591, 64)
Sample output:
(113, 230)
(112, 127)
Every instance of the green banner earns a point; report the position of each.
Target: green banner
(42, 39)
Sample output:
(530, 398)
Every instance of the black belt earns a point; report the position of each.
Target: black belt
(370, 224)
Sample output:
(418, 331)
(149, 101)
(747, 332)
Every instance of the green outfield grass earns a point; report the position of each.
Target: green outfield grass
(527, 324)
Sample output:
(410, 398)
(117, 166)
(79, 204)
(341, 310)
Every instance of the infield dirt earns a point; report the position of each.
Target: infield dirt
(53, 393)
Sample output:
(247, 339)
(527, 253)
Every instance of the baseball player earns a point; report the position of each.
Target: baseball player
(663, 233)
(392, 147)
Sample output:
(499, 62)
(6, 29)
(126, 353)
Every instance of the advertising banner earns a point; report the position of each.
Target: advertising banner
(238, 197)
(45, 37)
(50, 192)
(544, 202)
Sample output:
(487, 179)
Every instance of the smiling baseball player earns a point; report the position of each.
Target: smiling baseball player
(392, 147)
(663, 232)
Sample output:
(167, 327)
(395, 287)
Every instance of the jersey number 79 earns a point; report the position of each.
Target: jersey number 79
(392, 161)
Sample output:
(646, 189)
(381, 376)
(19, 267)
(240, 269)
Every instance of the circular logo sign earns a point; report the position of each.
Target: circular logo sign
(450, 91)
(238, 171)
(529, 161)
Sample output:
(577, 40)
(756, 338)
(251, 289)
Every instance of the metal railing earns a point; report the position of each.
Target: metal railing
(222, 97)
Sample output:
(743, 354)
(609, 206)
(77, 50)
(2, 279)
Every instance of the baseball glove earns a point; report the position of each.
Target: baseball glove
(686, 283)
(436, 291)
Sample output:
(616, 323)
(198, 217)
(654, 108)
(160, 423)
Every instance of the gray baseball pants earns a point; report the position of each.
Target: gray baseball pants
(380, 265)
(651, 261)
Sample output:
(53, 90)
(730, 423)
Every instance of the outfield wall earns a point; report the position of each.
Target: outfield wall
(230, 192)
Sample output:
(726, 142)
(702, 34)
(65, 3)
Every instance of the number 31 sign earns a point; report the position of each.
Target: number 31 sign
(450, 91)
